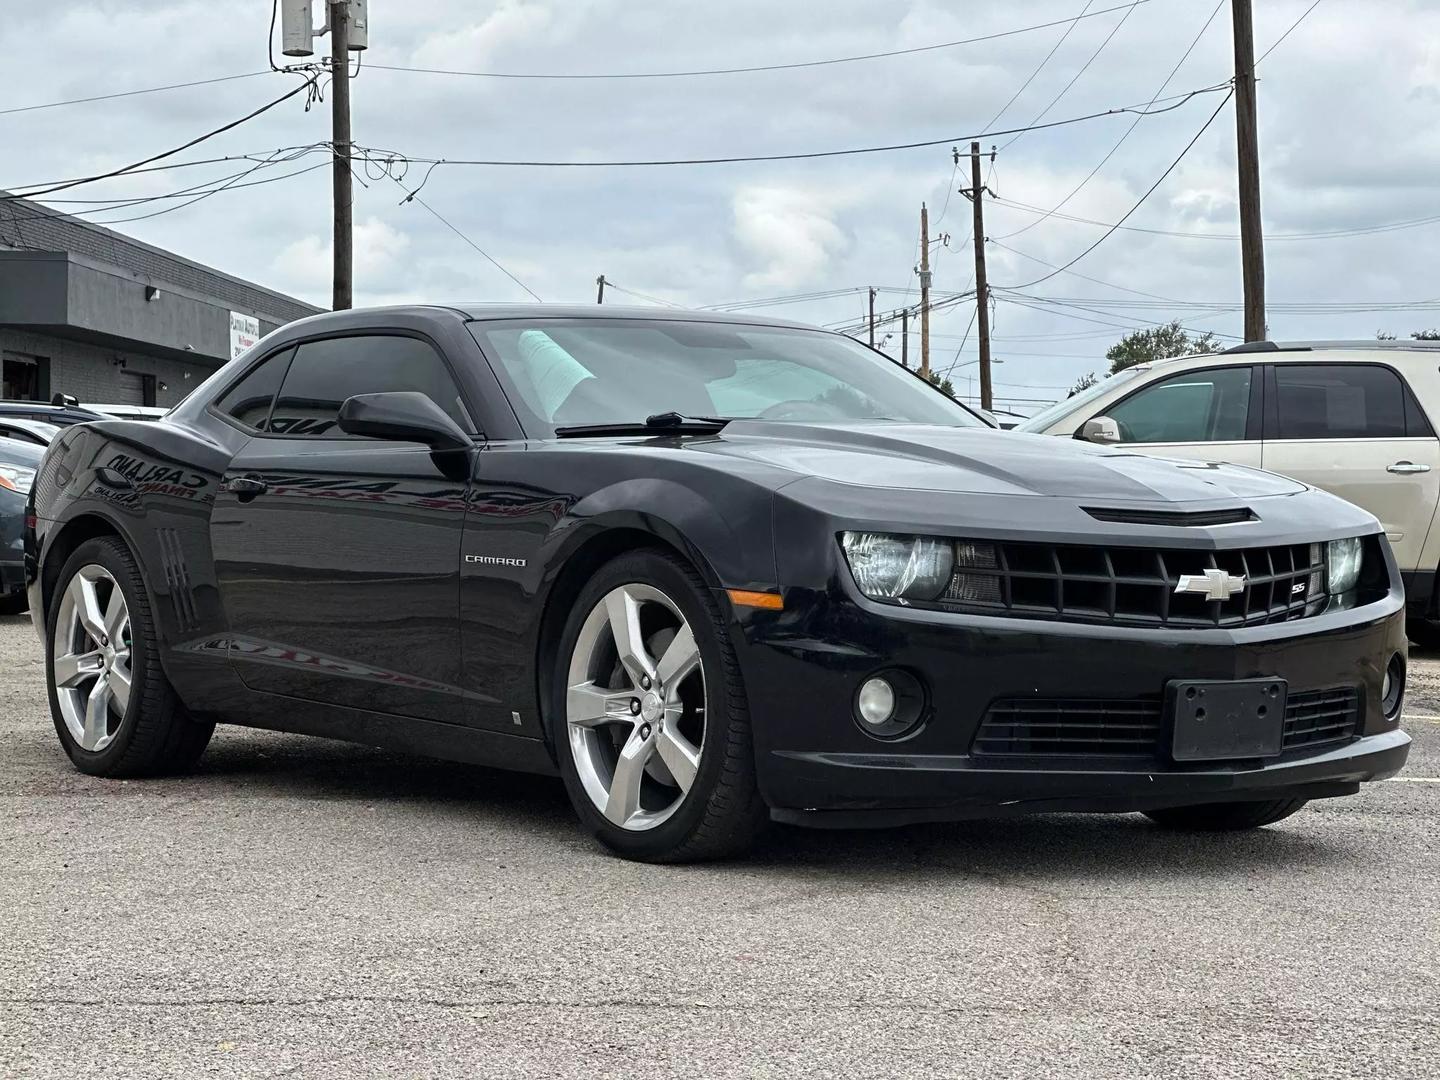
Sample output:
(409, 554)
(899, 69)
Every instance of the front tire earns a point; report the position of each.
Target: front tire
(115, 711)
(1226, 817)
(649, 716)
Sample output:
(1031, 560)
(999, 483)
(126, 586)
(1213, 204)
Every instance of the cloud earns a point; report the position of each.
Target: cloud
(789, 231)
(306, 265)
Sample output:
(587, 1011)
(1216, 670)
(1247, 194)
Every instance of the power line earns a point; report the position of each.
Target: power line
(413, 196)
(1276, 44)
(1076, 77)
(1076, 273)
(643, 296)
(817, 153)
(1128, 131)
(1041, 66)
(131, 93)
(1140, 202)
(570, 76)
(307, 86)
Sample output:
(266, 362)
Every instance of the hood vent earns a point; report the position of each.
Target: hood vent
(1192, 518)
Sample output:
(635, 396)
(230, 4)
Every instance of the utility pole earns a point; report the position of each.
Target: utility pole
(924, 292)
(340, 135)
(905, 337)
(600, 290)
(1252, 242)
(872, 316)
(982, 288)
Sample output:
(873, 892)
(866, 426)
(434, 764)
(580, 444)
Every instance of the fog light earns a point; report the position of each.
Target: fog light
(1392, 691)
(890, 704)
(876, 702)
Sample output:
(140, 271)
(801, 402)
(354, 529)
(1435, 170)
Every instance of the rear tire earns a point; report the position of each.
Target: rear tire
(1226, 817)
(682, 740)
(134, 724)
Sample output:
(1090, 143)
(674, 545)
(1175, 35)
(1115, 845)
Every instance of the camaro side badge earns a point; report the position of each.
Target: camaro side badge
(494, 560)
(1213, 584)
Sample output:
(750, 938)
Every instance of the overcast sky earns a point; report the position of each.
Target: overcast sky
(1349, 139)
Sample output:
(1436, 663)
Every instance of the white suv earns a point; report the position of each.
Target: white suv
(1352, 418)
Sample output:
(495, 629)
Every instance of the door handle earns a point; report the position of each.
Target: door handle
(246, 488)
(1407, 467)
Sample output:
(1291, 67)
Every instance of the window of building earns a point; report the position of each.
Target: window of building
(24, 377)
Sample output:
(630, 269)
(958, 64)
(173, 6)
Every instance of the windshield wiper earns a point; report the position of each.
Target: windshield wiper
(656, 424)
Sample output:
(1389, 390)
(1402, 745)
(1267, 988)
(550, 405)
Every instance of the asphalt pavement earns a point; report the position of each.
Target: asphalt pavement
(306, 908)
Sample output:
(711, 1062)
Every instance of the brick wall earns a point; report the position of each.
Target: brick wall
(90, 373)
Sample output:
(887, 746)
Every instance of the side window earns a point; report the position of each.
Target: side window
(1209, 405)
(327, 372)
(248, 401)
(1338, 401)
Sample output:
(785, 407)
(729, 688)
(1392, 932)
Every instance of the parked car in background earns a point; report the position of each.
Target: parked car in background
(712, 570)
(130, 412)
(1352, 418)
(60, 411)
(24, 429)
(18, 462)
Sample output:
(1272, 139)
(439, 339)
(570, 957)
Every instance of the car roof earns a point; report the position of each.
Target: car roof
(28, 423)
(17, 452)
(486, 312)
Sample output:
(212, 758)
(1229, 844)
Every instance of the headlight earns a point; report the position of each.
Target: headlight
(890, 567)
(1342, 565)
(17, 478)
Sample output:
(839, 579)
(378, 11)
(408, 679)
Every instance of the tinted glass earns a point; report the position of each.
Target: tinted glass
(574, 372)
(248, 401)
(1210, 405)
(1338, 401)
(327, 372)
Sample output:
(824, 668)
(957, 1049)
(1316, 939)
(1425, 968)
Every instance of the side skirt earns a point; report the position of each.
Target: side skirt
(411, 735)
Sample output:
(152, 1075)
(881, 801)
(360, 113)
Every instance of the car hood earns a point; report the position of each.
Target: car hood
(984, 461)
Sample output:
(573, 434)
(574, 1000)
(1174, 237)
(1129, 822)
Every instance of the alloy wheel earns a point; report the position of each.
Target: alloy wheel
(635, 707)
(91, 657)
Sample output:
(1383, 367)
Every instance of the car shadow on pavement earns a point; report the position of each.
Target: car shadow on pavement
(1040, 848)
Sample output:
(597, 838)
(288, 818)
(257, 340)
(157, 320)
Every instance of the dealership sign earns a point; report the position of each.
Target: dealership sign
(244, 332)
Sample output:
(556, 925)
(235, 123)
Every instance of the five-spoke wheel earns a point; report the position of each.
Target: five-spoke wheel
(635, 707)
(91, 657)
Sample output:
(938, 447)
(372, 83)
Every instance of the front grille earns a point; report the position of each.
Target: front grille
(1135, 586)
(1134, 727)
(1070, 726)
(1321, 717)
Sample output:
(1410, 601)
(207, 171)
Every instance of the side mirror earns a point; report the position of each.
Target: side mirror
(1101, 429)
(402, 416)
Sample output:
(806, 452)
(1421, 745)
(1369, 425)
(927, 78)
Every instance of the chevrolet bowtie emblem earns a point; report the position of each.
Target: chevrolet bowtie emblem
(1213, 584)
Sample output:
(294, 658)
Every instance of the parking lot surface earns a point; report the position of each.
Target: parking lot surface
(306, 908)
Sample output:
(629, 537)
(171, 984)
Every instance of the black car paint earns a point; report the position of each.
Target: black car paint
(387, 594)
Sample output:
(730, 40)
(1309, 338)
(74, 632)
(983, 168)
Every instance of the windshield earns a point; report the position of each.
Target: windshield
(1041, 420)
(577, 372)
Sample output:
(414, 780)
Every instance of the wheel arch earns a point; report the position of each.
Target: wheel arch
(66, 540)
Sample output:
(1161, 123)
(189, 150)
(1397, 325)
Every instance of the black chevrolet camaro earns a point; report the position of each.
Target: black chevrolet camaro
(713, 572)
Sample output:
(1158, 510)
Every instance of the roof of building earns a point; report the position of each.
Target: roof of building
(30, 226)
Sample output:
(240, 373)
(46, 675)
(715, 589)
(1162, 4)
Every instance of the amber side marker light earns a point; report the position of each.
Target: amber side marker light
(745, 598)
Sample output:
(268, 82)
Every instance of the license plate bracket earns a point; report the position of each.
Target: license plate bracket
(1219, 719)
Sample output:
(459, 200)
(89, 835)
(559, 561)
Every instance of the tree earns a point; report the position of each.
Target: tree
(1418, 335)
(1083, 383)
(945, 386)
(1158, 343)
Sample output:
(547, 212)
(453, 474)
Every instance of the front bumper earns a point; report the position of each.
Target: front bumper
(816, 766)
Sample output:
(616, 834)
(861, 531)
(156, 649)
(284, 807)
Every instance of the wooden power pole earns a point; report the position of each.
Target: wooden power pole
(600, 289)
(340, 135)
(1252, 242)
(924, 292)
(982, 289)
(905, 337)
